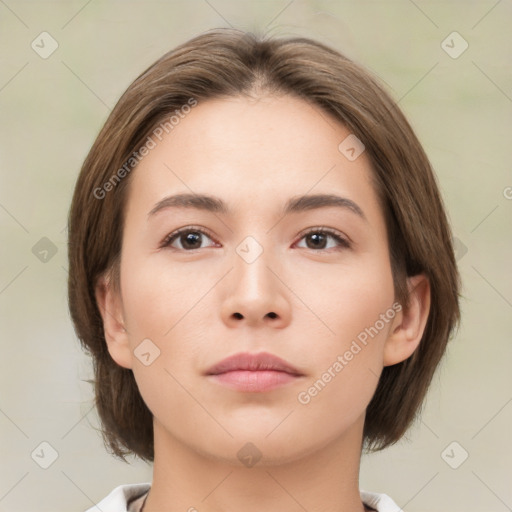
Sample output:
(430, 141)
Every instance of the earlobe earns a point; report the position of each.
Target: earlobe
(409, 325)
(110, 306)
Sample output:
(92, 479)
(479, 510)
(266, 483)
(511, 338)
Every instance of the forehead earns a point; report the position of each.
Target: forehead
(262, 151)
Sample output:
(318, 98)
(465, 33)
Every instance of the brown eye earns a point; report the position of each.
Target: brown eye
(188, 238)
(317, 239)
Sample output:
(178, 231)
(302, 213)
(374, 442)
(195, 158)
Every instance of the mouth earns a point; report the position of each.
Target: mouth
(253, 372)
(254, 381)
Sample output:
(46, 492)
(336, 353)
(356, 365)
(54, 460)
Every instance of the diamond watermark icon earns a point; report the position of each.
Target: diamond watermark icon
(351, 147)
(249, 455)
(454, 45)
(44, 455)
(44, 45)
(459, 248)
(454, 455)
(44, 250)
(249, 249)
(146, 352)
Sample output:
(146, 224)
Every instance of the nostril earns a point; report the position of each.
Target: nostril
(238, 315)
(272, 315)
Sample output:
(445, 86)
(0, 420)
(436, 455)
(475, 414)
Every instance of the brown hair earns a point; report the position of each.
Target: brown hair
(229, 62)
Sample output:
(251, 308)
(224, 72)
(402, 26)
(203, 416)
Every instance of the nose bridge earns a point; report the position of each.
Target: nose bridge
(254, 292)
(251, 262)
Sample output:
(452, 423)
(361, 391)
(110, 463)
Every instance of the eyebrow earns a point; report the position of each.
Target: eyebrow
(294, 205)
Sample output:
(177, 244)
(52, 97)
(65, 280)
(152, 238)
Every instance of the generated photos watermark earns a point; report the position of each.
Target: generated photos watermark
(151, 142)
(304, 397)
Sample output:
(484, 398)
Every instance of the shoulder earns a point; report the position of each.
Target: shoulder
(379, 502)
(120, 497)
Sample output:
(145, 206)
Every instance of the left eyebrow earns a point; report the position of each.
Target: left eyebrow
(295, 204)
(314, 201)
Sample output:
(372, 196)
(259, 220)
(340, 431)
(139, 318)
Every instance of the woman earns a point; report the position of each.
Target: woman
(262, 270)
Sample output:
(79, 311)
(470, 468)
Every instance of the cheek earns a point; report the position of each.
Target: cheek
(158, 295)
(348, 361)
(162, 303)
(345, 302)
(340, 394)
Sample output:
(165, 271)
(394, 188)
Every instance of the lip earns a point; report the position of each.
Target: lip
(253, 362)
(253, 372)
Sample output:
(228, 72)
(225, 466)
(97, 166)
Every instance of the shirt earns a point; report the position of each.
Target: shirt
(130, 498)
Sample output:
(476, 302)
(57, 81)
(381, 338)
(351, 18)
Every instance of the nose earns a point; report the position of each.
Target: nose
(256, 293)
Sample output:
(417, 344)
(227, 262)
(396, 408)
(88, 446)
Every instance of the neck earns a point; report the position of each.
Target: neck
(325, 479)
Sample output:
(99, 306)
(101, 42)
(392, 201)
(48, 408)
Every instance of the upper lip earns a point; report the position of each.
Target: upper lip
(254, 362)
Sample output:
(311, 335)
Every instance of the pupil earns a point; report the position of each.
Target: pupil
(192, 239)
(317, 237)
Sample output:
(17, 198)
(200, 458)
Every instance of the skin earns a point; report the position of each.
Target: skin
(255, 155)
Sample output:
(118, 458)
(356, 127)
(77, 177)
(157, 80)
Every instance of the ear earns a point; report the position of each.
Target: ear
(409, 323)
(111, 309)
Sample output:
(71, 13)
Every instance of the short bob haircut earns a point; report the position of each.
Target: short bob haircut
(225, 63)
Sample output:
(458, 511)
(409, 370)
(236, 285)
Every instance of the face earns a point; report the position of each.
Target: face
(311, 284)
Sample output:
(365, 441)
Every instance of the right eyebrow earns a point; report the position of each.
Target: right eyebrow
(197, 201)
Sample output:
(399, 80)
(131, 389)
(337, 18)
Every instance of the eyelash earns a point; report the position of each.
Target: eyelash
(343, 242)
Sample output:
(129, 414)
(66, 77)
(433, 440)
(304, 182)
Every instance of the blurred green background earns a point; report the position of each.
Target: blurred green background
(459, 101)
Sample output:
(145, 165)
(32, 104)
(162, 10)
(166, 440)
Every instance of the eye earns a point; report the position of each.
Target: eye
(190, 238)
(318, 238)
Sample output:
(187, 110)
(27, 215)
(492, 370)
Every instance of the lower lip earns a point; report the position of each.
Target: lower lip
(254, 380)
